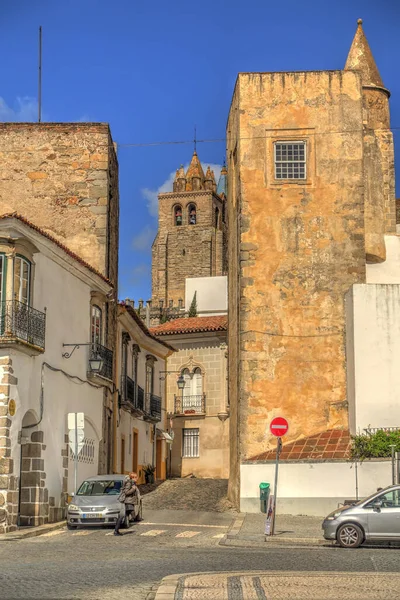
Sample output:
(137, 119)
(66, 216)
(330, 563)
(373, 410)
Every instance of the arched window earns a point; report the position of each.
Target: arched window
(192, 214)
(197, 382)
(97, 328)
(178, 215)
(216, 218)
(186, 389)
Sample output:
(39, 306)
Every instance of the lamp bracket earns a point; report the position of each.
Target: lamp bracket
(75, 347)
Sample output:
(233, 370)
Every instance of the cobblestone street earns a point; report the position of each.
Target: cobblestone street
(92, 564)
(190, 494)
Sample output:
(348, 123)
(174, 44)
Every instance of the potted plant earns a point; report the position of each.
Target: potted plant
(149, 473)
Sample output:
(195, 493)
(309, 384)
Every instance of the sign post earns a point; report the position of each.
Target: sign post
(76, 435)
(278, 427)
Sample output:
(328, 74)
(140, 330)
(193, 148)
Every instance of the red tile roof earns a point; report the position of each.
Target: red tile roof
(332, 444)
(142, 325)
(15, 215)
(191, 325)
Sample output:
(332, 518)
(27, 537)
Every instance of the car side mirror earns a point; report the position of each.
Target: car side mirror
(377, 504)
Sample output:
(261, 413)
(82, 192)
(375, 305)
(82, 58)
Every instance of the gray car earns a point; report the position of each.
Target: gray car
(96, 503)
(376, 518)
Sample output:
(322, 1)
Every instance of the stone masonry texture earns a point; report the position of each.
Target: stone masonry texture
(63, 177)
(187, 250)
(69, 174)
(295, 248)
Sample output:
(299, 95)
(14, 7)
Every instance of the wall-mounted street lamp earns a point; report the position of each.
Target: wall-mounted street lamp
(180, 381)
(95, 361)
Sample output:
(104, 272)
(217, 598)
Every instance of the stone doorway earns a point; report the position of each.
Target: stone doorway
(33, 495)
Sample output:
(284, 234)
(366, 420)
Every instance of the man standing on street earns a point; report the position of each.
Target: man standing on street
(130, 497)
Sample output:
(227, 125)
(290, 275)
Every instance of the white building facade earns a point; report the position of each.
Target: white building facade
(140, 439)
(52, 324)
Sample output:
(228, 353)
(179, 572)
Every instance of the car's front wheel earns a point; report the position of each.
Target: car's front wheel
(71, 527)
(350, 535)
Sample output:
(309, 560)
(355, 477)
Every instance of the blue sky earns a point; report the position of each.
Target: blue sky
(155, 69)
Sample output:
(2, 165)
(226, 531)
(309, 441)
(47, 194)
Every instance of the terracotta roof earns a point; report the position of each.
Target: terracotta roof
(22, 219)
(191, 325)
(143, 327)
(332, 444)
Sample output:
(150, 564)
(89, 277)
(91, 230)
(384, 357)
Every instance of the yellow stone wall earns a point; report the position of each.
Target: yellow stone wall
(294, 249)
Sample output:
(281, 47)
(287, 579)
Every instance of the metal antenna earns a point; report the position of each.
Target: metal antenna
(40, 77)
(195, 139)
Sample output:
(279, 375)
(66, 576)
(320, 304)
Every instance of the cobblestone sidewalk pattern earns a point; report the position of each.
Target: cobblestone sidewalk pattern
(208, 495)
(279, 586)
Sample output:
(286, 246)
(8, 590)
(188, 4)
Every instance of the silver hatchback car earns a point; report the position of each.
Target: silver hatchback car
(376, 518)
(96, 503)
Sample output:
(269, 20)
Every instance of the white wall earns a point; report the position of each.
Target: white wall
(373, 350)
(67, 300)
(212, 294)
(388, 271)
(312, 488)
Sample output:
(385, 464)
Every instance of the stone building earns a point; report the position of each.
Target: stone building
(311, 217)
(63, 178)
(188, 276)
(191, 234)
(198, 412)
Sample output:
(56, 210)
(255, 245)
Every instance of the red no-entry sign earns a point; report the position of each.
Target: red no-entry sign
(279, 426)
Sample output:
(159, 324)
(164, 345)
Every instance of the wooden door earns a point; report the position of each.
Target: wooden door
(122, 455)
(158, 459)
(135, 450)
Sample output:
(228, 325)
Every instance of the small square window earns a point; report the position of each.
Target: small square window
(290, 160)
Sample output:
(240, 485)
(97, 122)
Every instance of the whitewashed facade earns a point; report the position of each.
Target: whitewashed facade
(49, 297)
(140, 437)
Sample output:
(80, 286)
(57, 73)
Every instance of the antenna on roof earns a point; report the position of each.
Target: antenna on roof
(195, 140)
(40, 77)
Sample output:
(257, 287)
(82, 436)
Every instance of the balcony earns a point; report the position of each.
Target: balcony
(106, 355)
(190, 405)
(153, 408)
(133, 398)
(140, 398)
(22, 324)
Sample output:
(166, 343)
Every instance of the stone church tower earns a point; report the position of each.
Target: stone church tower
(311, 213)
(191, 234)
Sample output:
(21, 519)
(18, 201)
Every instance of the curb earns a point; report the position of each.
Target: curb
(13, 536)
(168, 586)
(274, 543)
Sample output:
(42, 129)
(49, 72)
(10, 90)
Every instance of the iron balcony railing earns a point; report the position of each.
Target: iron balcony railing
(22, 322)
(190, 404)
(140, 398)
(155, 407)
(152, 408)
(133, 396)
(130, 389)
(96, 351)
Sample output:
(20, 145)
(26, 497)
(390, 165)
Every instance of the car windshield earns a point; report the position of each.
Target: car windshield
(107, 487)
(371, 497)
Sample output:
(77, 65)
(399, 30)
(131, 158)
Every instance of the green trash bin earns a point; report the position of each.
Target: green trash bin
(264, 496)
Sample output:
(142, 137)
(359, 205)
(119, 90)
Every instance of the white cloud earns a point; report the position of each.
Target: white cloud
(144, 239)
(151, 196)
(24, 110)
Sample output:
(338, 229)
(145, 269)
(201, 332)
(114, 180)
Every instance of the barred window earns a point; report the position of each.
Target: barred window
(191, 443)
(290, 160)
